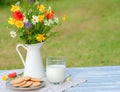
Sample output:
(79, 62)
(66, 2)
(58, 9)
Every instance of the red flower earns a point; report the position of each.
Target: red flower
(12, 75)
(18, 15)
(50, 15)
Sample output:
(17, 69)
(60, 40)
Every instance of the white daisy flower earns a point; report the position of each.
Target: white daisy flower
(29, 11)
(46, 22)
(51, 21)
(13, 34)
(56, 20)
(34, 19)
(25, 20)
(17, 3)
(50, 8)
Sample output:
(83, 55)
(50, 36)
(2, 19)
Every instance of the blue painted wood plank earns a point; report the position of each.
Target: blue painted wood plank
(99, 79)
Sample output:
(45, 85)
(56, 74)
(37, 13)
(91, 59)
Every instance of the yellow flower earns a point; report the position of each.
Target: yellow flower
(41, 8)
(64, 18)
(4, 78)
(15, 8)
(41, 17)
(11, 21)
(40, 37)
(68, 79)
(19, 24)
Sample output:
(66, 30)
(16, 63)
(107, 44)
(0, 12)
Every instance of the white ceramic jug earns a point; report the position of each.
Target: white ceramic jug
(33, 66)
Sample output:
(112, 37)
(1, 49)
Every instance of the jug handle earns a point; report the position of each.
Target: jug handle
(17, 49)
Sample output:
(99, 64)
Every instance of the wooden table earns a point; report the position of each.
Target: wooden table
(99, 79)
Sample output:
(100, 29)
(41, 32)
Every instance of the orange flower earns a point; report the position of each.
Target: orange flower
(41, 17)
(19, 24)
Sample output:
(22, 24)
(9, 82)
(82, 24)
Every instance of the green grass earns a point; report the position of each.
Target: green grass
(89, 37)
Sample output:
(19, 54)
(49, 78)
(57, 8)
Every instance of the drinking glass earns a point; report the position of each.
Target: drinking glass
(56, 69)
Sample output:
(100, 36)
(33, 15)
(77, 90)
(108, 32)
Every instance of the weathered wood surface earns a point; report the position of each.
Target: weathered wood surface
(99, 79)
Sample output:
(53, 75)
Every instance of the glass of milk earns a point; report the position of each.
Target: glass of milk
(56, 69)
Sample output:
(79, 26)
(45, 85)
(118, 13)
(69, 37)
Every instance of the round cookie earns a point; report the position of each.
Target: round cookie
(16, 81)
(36, 80)
(19, 84)
(27, 78)
(35, 84)
(27, 84)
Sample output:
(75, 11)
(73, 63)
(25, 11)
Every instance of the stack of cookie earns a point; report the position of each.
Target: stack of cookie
(26, 81)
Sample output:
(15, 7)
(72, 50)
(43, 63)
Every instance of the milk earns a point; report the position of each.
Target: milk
(55, 73)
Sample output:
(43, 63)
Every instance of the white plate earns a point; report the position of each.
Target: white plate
(8, 84)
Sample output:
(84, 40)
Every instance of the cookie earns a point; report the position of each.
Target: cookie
(16, 81)
(19, 84)
(35, 84)
(26, 78)
(27, 84)
(36, 80)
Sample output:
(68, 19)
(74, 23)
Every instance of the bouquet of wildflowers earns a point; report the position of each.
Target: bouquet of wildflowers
(32, 22)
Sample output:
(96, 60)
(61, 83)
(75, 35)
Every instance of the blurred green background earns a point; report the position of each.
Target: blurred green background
(89, 37)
